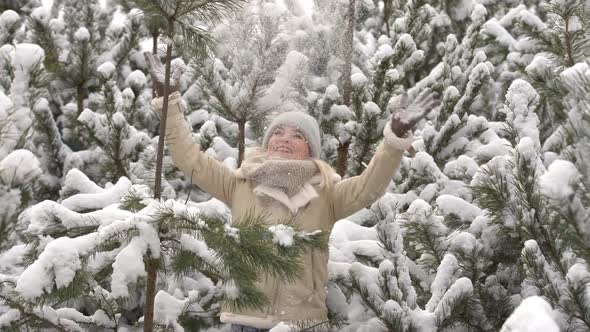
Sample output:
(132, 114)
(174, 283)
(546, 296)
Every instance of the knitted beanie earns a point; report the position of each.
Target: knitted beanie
(302, 121)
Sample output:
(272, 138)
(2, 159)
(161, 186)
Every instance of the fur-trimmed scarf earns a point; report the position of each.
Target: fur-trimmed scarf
(287, 181)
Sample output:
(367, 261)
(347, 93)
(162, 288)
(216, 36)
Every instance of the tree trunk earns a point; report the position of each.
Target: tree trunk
(347, 55)
(346, 83)
(241, 140)
(81, 94)
(150, 293)
(155, 35)
(342, 162)
(386, 15)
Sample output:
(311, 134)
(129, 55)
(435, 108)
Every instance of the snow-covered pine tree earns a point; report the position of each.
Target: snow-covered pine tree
(381, 66)
(455, 226)
(466, 236)
(543, 206)
(84, 264)
(75, 44)
(237, 80)
(19, 171)
(10, 23)
(27, 183)
(114, 143)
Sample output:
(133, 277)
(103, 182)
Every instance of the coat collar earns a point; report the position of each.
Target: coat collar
(297, 201)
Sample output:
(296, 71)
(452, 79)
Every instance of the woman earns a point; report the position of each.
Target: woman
(286, 178)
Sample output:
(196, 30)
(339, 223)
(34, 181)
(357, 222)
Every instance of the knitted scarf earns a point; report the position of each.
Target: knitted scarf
(289, 176)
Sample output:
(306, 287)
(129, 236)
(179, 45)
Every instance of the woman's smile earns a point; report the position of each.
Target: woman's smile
(289, 143)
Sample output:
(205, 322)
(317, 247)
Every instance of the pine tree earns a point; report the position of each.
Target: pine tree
(97, 253)
(253, 50)
(555, 257)
(482, 243)
(19, 171)
(116, 143)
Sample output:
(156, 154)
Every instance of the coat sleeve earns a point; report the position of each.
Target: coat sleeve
(355, 193)
(206, 172)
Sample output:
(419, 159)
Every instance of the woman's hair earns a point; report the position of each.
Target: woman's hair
(326, 172)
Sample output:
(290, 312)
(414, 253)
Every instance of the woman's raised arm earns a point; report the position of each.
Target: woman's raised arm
(355, 193)
(206, 172)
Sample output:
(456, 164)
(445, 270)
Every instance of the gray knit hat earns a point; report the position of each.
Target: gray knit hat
(302, 121)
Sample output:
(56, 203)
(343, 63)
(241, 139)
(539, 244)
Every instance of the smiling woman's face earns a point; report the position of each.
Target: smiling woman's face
(287, 143)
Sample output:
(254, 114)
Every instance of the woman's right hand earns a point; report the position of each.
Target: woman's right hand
(158, 75)
(407, 113)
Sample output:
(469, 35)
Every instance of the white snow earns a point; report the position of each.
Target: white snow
(57, 265)
(19, 167)
(106, 69)
(463, 242)
(24, 60)
(282, 234)
(282, 327)
(443, 280)
(129, 264)
(392, 74)
(136, 80)
(79, 182)
(574, 24)
(449, 204)
(82, 34)
(292, 70)
(198, 247)
(340, 112)
(40, 13)
(11, 260)
(571, 76)
(460, 287)
(578, 275)
(358, 80)
(167, 310)
(383, 52)
(9, 18)
(43, 214)
(332, 92)
(522, 100)
(7, 318)
(493, 28)
(534, 314)
(371, 109)
(230, 289)
(560, 181)
(96, 200)
(527, 148)
(532, 20)
(462, 167)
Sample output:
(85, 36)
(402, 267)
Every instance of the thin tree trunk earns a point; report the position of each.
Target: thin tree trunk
(342, 162)
(568, 44)
(80, 99)
(386, 15)
(241, 140)
(150, 293)
(346, 83)
(347, 54)
(155, 35)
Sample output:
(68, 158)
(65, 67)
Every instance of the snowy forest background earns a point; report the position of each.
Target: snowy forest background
(485, 227)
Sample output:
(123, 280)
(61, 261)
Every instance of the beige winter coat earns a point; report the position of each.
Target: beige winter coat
(304, 299)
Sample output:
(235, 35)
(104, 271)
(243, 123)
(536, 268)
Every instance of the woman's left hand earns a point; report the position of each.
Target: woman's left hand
(411, 112)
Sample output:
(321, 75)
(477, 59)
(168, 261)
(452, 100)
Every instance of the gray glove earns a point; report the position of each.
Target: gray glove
(158, 74)
(407, 113)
